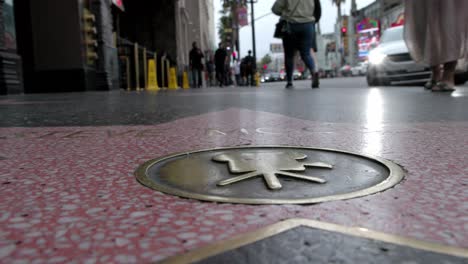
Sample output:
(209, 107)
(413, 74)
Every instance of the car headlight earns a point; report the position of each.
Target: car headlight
(376, 57)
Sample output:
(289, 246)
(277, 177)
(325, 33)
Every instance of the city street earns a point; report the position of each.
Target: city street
(67, 164)
(341, 100)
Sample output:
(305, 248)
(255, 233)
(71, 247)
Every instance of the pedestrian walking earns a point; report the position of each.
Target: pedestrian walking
(317, 16)
(220, 61)
(210, 69)
(297, 24)
(436, 33)
(237, 72)
(250, 68)
(228, 73)
(243, 70)
(196, 65)
(315, 75)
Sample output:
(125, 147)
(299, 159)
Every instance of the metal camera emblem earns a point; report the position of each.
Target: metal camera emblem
(269, 175)
(268, 165)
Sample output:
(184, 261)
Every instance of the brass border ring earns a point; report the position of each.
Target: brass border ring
(396, 175)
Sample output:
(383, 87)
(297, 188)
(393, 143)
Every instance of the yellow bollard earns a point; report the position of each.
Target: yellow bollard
(257, 79)
(186, 84)
(173, 79)
(152, 76)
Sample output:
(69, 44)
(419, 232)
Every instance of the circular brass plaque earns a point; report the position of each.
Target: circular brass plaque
(269, 175)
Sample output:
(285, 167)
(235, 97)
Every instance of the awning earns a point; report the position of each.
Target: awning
(119, 4)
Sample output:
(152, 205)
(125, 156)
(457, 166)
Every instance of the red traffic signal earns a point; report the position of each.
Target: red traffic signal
(344, 31)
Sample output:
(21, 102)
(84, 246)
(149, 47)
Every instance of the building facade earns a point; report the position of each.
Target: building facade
(277, 57)
(81, 45)
(385, 11)
(10, 62)
(195, 22)
(392, 12)
(371, 21)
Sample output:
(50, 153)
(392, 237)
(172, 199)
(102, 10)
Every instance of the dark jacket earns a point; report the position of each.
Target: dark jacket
(317, 11)
(196, 56)
(220, 57)
(250, 63)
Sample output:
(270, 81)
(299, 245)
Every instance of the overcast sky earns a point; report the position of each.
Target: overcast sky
(265, 27)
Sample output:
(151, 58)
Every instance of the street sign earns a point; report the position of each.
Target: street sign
(276, 48)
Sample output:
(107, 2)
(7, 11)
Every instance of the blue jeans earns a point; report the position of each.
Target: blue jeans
(197, 80)
(301, 37)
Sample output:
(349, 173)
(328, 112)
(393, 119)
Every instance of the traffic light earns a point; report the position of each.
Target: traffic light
(344, 37)
(90, 36)
(344, 31)
(344, 26)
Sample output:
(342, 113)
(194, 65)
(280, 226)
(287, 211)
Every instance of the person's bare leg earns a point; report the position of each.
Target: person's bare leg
(436, 77)
(315, 76)
(449, 73)
(314, 57)
(436, 73)
(447, 83)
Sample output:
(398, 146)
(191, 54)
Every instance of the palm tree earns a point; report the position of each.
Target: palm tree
(338, 6)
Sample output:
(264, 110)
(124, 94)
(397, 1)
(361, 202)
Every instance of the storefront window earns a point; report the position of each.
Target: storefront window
(9, 20)
(368, 32)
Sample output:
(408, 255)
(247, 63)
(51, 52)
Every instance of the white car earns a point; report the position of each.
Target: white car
(360, 69)
(391, 63)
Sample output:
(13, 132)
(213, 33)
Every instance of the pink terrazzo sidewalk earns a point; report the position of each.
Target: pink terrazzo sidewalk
(69, 193)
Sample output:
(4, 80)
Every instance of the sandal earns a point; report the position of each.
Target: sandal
(430, 84)
(442, 87)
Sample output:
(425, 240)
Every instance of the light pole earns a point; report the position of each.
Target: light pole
(338, 27)
(254, 45)
(352, 33)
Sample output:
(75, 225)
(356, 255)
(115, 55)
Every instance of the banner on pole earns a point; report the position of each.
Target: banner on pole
(243, 16)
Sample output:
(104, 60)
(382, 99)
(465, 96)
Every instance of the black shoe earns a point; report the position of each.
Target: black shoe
(315, 81)
(289, 86)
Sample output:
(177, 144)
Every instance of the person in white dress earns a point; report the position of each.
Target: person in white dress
(436, 33)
